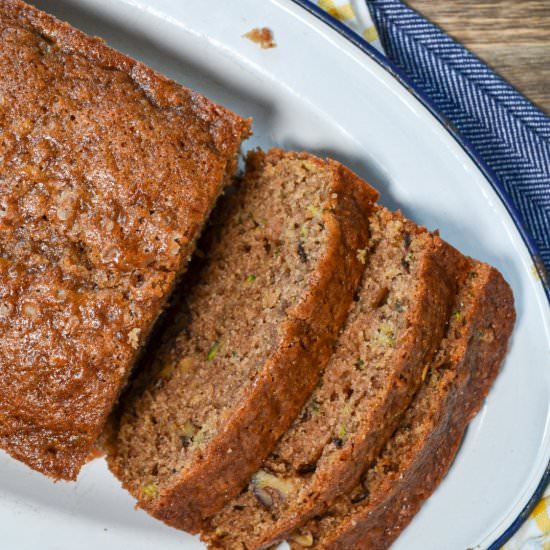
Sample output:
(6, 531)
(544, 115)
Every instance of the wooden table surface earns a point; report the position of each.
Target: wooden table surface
(511, 36)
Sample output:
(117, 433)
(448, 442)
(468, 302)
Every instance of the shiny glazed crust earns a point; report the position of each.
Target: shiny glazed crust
(109, 170)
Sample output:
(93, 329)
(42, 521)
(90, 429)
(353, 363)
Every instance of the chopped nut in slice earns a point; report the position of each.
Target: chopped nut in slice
(166, 371)
(185, 364)
(264, 485)
(187, 433)
(303, 539)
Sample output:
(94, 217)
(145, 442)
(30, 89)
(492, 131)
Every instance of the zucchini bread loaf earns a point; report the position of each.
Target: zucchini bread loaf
(418, 455)
(392, 333)
(281, 271)
(108, 172)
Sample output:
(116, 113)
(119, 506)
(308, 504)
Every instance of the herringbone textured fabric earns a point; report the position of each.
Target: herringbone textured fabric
(508, 132)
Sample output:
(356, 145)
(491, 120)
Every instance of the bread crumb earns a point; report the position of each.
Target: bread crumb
(133, 337)
(362, 255)
(262, 36)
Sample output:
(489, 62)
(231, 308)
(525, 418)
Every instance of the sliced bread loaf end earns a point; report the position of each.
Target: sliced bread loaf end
(281, 272)
(419, 454)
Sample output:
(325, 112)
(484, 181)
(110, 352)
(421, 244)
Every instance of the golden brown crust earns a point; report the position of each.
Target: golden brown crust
(290, 374)
(163, 92)
(480, 356)
(108, 173)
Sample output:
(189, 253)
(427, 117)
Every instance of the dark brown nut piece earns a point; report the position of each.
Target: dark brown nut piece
(265, 485)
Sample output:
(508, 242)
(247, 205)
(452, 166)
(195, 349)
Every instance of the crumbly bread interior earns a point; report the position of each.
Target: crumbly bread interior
(261, 254)
(363, 357)
(351, 385)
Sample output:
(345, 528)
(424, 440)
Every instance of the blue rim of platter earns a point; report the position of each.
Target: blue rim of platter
(491, 177)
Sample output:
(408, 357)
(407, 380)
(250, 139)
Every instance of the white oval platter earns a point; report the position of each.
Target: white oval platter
(319, 91)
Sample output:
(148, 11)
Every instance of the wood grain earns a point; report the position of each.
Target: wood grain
(512, 36)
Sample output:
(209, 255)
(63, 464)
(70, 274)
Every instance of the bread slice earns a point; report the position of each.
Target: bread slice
(392, 333)
(108, 172)
(281, 273)
(418, 455)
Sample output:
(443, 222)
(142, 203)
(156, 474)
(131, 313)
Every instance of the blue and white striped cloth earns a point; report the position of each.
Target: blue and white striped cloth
(505, 130)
